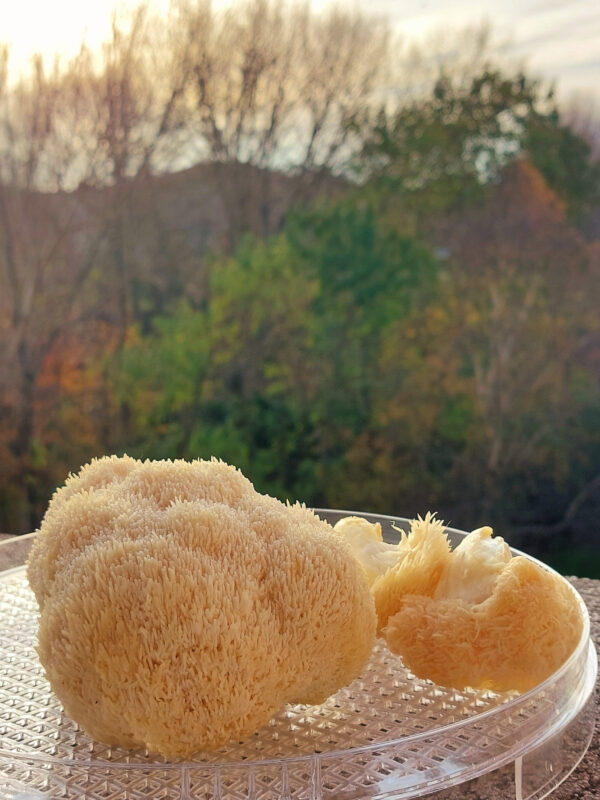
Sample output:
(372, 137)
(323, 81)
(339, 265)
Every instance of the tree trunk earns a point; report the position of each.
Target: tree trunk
(21, 443)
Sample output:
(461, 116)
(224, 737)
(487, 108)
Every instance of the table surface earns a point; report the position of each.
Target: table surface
(583, 784)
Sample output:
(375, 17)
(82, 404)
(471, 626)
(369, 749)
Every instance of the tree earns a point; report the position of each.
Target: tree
(126, 108)
(43, 265)
(279, 372)
(440, 149)
(438, 152)
(524, 291)
(235, 379)
(582, 115)
(278, 86)
(100, 127)
(370, 278)
(565, 159)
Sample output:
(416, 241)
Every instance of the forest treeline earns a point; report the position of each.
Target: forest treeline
(367, 276)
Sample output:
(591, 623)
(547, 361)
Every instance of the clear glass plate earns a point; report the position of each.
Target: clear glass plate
(387, 735)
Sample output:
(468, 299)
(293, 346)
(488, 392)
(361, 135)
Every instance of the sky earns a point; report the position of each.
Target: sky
(556, 39)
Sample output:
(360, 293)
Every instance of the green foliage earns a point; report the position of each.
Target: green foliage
(342, 363)
(280, 367)
(440, 151)
(564, 159)
(365, 269)
(211, 381)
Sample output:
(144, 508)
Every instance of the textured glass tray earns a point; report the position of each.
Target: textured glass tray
(387, 735)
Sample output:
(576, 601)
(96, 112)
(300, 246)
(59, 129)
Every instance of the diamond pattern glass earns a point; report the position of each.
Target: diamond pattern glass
(387, 735)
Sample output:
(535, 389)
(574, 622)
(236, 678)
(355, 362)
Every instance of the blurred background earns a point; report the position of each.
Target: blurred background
(353, 250)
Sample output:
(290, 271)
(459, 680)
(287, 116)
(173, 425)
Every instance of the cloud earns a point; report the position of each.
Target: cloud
(558, 38)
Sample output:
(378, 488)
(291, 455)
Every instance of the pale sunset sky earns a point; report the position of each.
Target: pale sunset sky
(556, 39)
